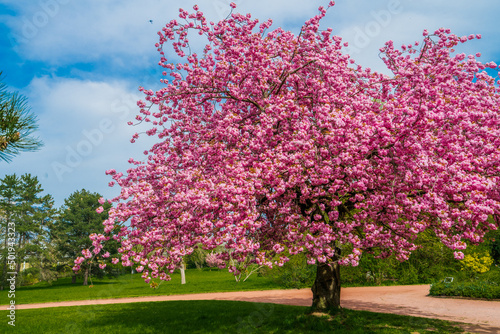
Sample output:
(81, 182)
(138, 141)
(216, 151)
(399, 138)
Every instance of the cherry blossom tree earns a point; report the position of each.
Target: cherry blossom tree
(271, 143)
(212, 260)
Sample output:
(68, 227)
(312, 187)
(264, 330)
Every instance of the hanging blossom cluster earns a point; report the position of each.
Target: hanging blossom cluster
(271, 143)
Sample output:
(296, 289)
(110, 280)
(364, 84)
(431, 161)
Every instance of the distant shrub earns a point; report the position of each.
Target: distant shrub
(30, 276)
(115, 270)
(477, 263)
(480, 289)
(196, 259)
(295, 273)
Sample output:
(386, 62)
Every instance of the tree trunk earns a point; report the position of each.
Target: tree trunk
(86, 276)
(73, 279)
(326, 287)
(183, 273)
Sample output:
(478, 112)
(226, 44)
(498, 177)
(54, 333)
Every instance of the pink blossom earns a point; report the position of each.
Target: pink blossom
(110, 172)
(86, 253)
(269, 142)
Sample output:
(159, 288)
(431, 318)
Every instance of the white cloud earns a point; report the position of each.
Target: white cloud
(81, 101)
(83, 126)
(68, 31)
(368, 25)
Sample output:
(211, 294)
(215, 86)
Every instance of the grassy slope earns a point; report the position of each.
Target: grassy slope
(212, 317)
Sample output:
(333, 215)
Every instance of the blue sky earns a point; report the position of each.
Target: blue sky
(80, 63)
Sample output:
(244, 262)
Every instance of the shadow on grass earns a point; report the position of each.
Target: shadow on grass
(216, 317)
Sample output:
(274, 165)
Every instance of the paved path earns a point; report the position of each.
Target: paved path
(413, 300)
(484, 316)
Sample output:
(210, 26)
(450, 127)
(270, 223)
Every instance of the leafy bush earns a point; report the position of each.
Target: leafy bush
(295, 273)
(428, 264)
(370, 271)
(492, 276)
(477, 263)
(485, 285)
(479, 289)
(431, 263)
(495, 250)
(196, 259)
(29, 276)
(493, 243)
(115, 270)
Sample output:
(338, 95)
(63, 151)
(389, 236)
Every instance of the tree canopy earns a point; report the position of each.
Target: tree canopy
(271, 142)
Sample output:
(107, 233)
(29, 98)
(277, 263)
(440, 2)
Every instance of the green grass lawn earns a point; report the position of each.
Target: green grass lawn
(128, 285)
(212, 317)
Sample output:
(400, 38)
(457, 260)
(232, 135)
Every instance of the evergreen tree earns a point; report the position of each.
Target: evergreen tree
(26, 215)
(36, 213)
(77, 220)
(9, 195)
(17, 124)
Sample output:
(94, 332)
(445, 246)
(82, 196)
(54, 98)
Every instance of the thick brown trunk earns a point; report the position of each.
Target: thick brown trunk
(73, 279)
(86, 276)
(326, 287)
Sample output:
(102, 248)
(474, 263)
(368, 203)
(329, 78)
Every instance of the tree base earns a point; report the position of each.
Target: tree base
(326, 288)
